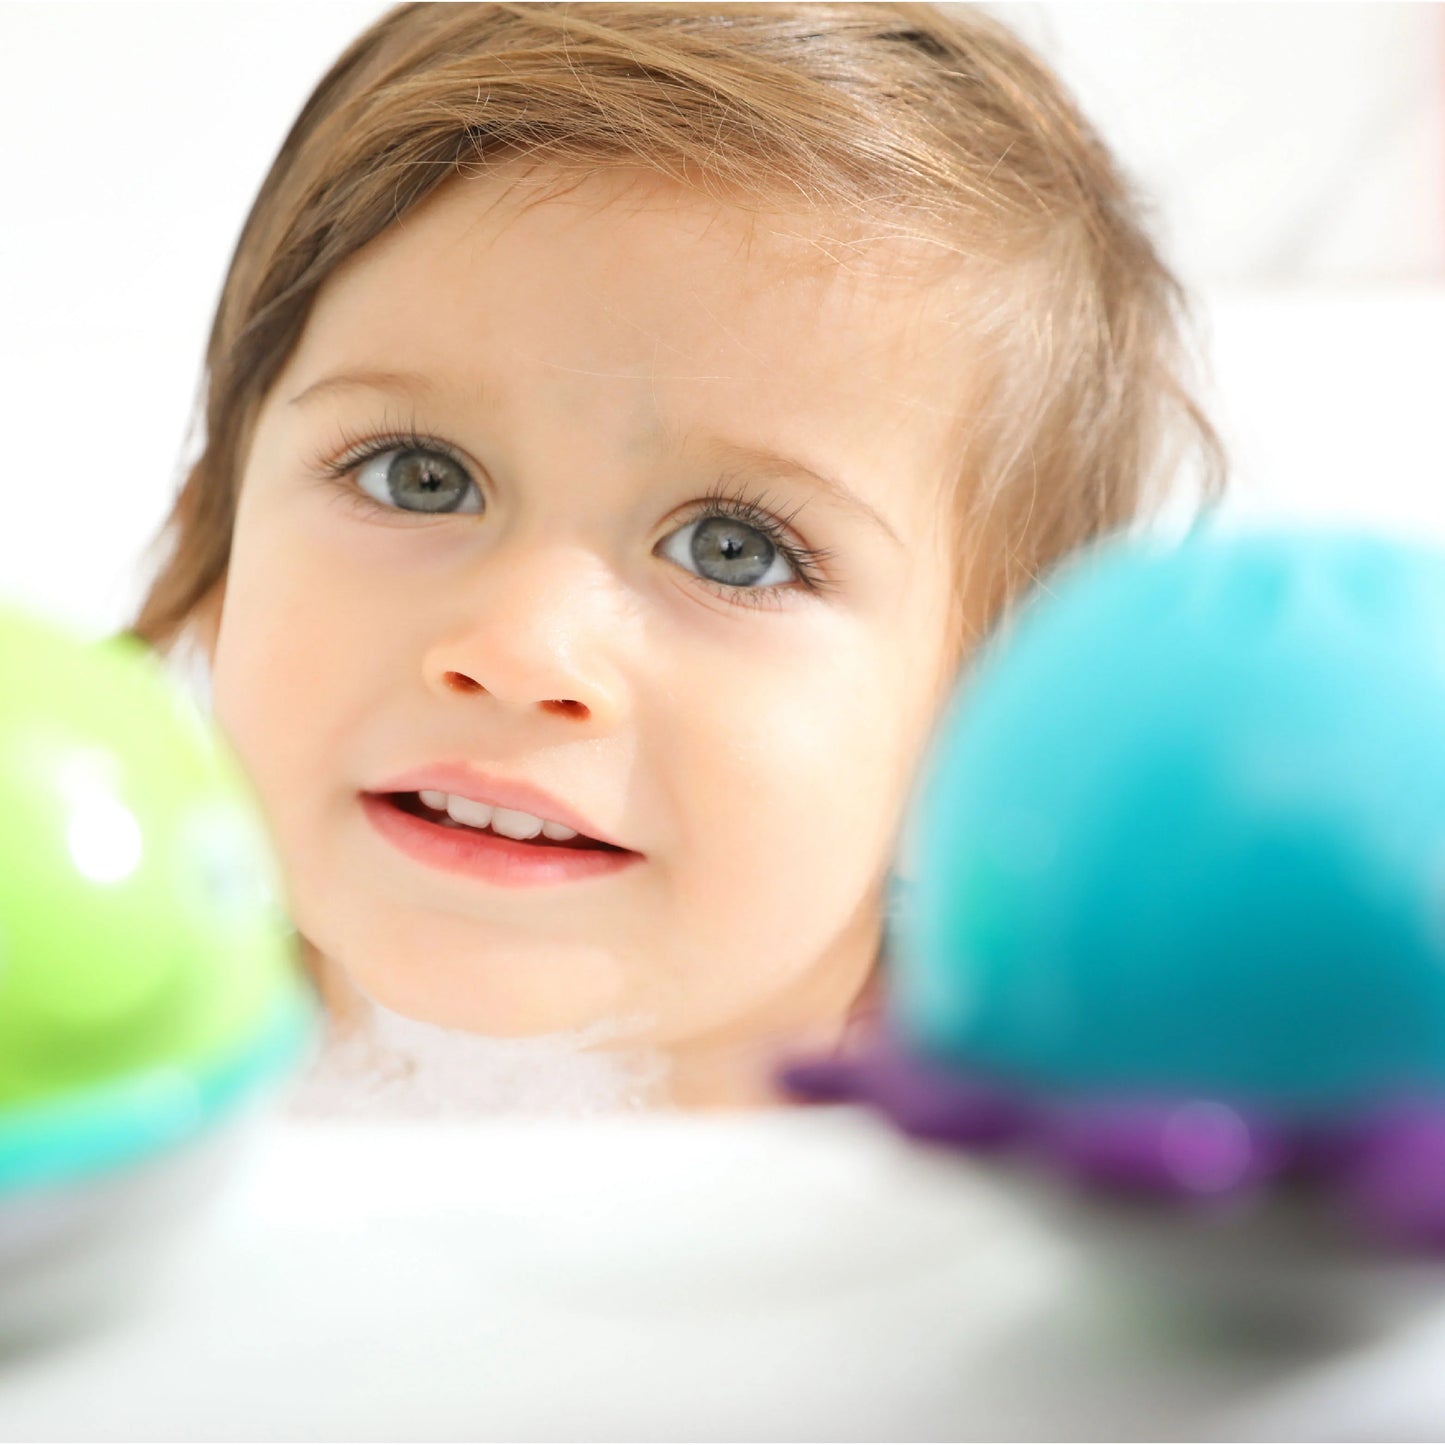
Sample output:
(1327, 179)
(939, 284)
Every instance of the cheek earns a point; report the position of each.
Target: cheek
(800, 769)
(285, 667)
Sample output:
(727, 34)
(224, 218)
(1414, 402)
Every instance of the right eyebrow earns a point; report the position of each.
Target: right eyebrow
(373, 380)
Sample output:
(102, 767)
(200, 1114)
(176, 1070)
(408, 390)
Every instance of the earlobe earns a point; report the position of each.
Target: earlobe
(204, 624)
(195, 655)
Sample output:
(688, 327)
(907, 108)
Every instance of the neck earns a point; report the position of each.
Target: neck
(736, 1069)
(730, 1070)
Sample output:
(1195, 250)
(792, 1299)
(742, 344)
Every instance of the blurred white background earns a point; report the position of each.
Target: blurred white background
(788, 1277)
(1294, 155)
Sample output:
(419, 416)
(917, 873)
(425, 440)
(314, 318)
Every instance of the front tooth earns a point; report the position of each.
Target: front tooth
(464, 810)
(434, 799)
(512, 824)
(559, 831)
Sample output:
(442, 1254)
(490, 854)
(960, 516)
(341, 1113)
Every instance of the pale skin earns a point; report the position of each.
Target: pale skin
(591, 358)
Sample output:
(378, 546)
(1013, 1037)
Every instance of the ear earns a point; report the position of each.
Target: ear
(204, 624)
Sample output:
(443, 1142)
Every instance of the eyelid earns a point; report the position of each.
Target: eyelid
(349, 451)
(472, 502)
(731, 495)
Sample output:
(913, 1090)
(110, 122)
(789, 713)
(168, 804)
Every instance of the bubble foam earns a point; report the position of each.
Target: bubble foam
(394, 1067)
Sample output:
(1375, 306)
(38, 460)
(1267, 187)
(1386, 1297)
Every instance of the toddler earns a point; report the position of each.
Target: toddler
(621, 424)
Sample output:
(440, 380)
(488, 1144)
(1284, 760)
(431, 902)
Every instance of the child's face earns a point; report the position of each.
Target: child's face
(598, 362)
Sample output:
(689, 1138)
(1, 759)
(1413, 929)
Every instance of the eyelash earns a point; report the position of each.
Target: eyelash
(728, 497)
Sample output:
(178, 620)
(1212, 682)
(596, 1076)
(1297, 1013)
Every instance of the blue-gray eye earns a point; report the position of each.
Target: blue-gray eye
(730, 551)
(418, 481)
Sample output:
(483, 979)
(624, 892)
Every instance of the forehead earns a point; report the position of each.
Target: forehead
(628, 291)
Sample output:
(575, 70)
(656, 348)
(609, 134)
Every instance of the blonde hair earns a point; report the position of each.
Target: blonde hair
(939, 124)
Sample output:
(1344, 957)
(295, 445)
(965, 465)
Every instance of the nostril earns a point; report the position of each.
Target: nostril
(460, 682)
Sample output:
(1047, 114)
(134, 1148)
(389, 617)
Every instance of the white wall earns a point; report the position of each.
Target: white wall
(1296, 154)
(1283, 143)
(133, 137)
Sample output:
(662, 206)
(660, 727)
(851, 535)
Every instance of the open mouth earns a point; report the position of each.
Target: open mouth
(411, 803)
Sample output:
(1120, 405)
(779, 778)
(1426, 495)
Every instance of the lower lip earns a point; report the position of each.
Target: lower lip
(486, 856)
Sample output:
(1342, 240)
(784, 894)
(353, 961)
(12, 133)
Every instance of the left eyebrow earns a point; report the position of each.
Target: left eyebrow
(413, 382)
(758, 459)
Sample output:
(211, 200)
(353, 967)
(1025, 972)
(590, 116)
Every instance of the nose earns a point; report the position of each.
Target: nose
(537, 628)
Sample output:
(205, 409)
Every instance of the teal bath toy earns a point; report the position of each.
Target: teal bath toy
(1179, 924)
(150, 998)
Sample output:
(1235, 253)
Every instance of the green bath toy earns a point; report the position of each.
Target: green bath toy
(150, 993)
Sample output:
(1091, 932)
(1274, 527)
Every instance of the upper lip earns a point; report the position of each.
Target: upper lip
(470, 782)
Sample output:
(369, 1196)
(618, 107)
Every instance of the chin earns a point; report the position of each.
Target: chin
(516, 992)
